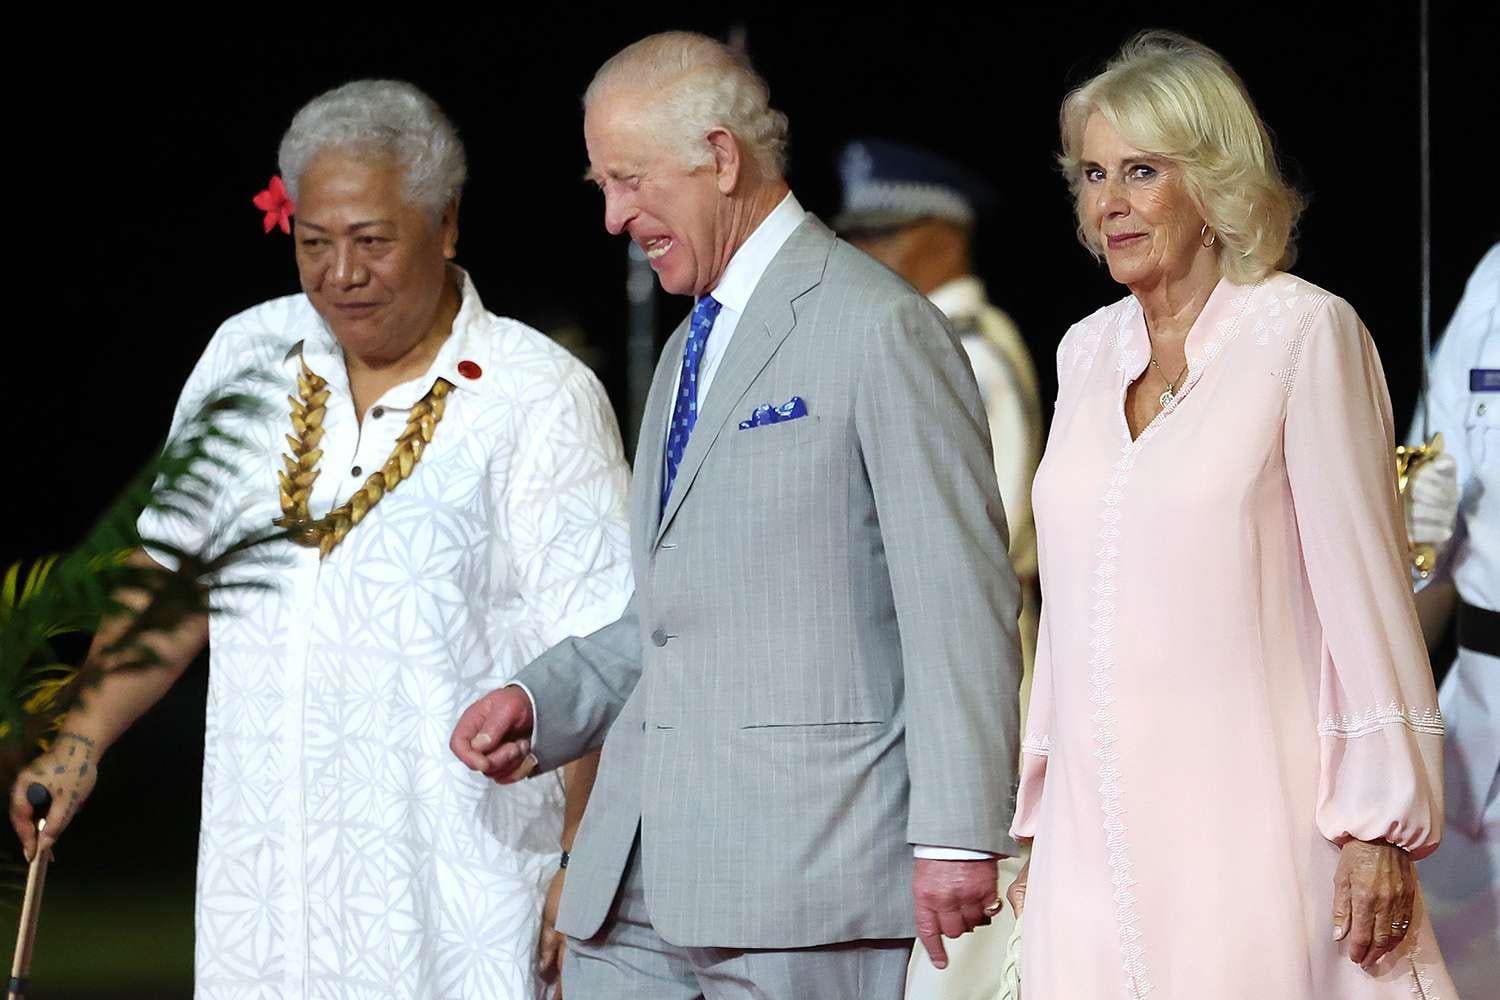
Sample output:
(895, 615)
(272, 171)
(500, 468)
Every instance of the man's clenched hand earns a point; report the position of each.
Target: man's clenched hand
(493, 736)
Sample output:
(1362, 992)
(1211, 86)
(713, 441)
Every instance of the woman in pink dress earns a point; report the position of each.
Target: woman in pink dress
(1234, 748)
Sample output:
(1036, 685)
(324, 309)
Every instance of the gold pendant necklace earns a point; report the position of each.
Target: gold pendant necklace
(1171, 392)
(302, 470)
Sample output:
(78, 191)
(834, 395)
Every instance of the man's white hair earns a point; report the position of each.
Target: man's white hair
(381, 118)
(698, 84)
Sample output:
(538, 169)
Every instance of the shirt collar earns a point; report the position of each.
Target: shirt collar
(960, 297)
(750, 261)
(462, 359)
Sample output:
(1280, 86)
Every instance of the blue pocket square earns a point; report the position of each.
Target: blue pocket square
(767, 414)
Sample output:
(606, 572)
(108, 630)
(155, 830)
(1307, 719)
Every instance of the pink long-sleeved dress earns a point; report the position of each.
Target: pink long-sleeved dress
(1230, 677)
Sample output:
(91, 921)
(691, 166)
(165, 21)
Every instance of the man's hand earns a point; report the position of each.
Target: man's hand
(1374, 894)
(68, 770)
(952, 898)
(549, 948)
(493, 736)
(1432, 497)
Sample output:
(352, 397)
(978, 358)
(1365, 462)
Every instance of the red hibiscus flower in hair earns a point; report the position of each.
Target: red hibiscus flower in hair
(277, 206)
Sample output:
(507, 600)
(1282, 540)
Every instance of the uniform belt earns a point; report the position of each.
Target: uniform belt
(1479, 629)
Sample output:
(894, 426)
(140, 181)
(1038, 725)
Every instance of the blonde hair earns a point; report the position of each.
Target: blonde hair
(699, 84)
(1176, 98)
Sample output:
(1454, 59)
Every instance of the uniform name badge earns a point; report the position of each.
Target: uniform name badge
(1484, 379)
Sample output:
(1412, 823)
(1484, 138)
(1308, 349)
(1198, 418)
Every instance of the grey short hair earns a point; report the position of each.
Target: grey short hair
(381, 118)
(700, 84)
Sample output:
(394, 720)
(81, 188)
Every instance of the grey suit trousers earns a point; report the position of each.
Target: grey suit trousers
(628, 960)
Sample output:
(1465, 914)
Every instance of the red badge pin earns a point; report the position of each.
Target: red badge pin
(469, 369)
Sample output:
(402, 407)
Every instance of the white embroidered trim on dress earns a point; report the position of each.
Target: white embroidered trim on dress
(1377, 717)
(1040, 746)
(1227, 331)
(1101, 629)
(1421, 983)
(1298, 342)
(1101, 663)
(1081, 344)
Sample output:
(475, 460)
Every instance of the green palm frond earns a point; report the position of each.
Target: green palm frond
(58, 595)
(48, 598)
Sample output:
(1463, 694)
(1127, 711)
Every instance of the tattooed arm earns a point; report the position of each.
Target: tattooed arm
(105, 711)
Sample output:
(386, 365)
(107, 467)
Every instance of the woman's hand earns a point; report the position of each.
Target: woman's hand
(1017, 891)
(549, 948)
(1374, 892)
(68, 770)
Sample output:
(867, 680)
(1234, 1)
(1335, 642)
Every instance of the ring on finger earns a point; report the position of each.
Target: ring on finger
(994, 907)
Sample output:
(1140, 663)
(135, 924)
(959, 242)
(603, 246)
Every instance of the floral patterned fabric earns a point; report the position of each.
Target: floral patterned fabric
(344, 852)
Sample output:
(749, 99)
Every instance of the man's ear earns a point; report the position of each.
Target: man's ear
(729, 162)
(448, 228)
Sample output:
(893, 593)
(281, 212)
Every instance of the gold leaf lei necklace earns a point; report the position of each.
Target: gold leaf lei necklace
(302, 470)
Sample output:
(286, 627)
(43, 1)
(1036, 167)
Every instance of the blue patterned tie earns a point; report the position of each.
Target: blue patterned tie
(685, 410)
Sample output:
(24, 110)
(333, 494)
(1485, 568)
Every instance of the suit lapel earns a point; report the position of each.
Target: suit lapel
(769, 317)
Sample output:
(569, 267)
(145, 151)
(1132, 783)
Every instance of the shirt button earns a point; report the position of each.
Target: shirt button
(378, 412)
(355, 471)
(1481, 409)
(659, 637)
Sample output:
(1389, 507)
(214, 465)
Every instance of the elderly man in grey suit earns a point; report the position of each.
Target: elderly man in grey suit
(808, 711)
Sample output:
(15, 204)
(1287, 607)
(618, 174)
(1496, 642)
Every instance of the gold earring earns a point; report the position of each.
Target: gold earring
(1206, 239)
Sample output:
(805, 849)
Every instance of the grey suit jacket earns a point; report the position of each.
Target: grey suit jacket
(819, 667)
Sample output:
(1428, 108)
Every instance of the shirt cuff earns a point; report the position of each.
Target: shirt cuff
(536, 727)
(950, 854)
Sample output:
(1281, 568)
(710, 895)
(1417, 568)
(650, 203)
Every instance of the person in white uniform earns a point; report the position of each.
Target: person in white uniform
(451, 484)
(1453, 504)
(916, 213)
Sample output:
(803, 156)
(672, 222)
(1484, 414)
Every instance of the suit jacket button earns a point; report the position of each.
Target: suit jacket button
(659, 637)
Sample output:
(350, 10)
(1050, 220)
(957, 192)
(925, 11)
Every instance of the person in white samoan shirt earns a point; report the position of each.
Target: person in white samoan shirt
(454, 495)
